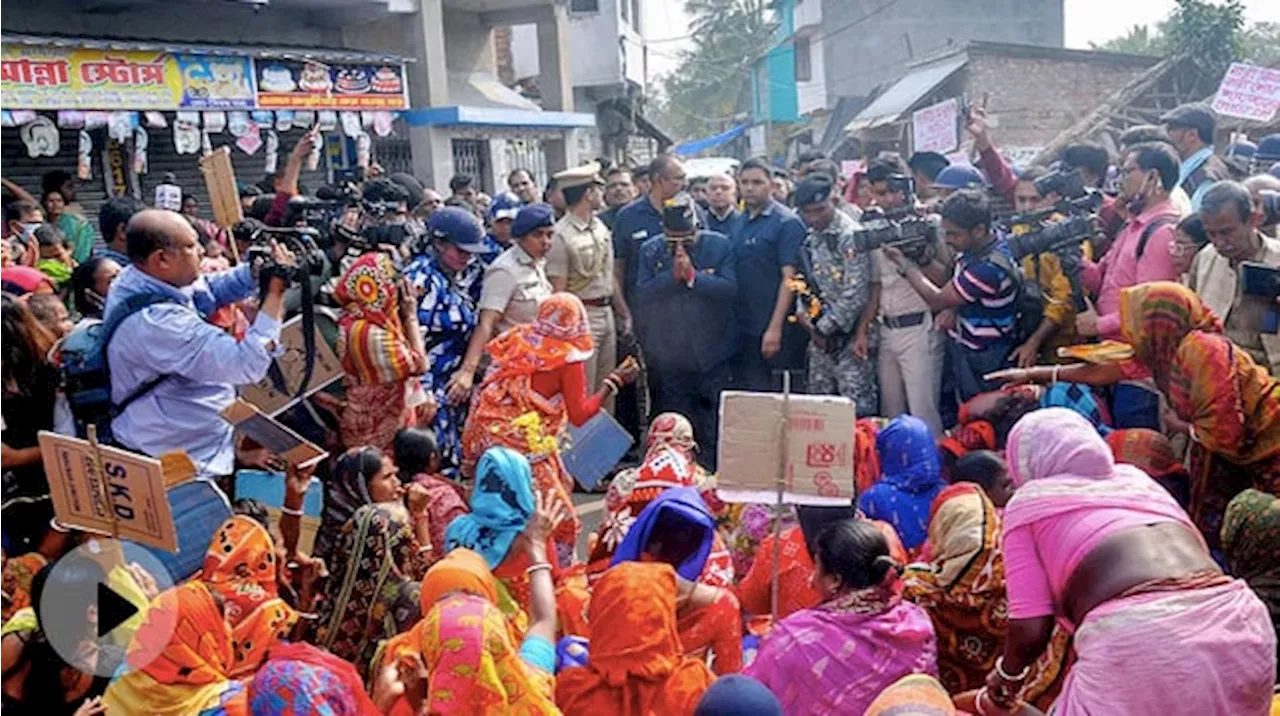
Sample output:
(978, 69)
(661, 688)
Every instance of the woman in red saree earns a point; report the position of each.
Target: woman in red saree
(536, 385)
(381, 351)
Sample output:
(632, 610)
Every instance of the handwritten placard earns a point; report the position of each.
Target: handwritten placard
(935, 128)
(1248, 92)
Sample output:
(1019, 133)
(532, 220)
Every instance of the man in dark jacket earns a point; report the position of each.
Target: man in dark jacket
(685, 297)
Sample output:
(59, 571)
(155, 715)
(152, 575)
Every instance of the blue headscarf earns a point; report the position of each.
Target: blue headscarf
(737, 694)
(1077, 397)
(501, 504)
(911, 478)
(684, 503)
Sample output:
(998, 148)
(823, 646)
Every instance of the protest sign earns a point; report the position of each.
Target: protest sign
(1248, 92)
(277, 438)
(288, 368)
(936, 127)
(819, 449)
(107, 490)
(224, 195)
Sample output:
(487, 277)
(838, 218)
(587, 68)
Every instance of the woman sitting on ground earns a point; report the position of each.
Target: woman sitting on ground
(835, 657)
(911, 476)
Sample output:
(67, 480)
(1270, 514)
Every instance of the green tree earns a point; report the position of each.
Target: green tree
(710, 89)
(1261, 44)
(1213, 34)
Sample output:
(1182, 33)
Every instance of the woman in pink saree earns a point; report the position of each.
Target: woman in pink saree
(836, 657)
(1104, 549)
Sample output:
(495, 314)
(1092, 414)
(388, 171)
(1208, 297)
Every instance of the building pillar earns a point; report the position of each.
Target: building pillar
(429, 87)
(555, 81)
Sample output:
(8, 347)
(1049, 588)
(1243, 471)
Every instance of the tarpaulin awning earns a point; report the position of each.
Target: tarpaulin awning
(715, 140)
(905, 93)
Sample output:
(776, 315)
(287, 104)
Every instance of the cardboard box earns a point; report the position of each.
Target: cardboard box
(125, 497)
(818, 465)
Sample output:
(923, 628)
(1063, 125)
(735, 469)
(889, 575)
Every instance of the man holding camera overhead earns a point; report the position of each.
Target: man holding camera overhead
(909, 364)
(685, 296)
(172, 372)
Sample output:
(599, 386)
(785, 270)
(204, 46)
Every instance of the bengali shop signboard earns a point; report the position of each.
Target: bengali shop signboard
(294, 84)
(221, 82)
(1249, 92)
(58, 78)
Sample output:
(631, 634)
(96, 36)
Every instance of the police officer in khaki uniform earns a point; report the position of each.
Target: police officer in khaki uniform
(513, 285)
(581, 262)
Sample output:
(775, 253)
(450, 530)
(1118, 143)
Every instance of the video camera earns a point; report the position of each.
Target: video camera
(904, 227)
(1039, 232)
(300, 240)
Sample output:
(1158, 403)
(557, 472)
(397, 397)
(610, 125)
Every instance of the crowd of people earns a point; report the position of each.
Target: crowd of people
(1067, 460)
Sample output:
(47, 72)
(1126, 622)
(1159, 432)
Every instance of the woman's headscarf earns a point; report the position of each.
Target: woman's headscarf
(1155, 317)
(559, 335)
(371, 595)
(461, 570)
(473, 662)
(301, 679)
(180, 656)
(914, 695)
(240, 566)
(682, 503)
(502, 502)
(963, 439)
(1152, 452)
(1077, 397)
(372, 348)
(671, 430)
(21, 280)
(738, 695)
(1251, 543)
(637, 664)
(908, 456)
(346, 490)
(664, 467)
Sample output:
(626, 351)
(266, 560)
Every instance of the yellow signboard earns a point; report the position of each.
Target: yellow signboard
(64, 78)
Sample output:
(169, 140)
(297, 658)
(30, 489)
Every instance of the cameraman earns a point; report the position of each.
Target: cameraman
(1231, 218)
(909, 365)
(179, 370)
(983, 292)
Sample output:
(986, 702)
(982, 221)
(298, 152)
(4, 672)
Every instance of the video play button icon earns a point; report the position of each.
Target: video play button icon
(92, 603)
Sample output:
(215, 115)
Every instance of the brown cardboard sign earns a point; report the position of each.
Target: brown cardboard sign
(819, 453)
(292, 365)
(276, 437)
(109, 491)
(220, 181)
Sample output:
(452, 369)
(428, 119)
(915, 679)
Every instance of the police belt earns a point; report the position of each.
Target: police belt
(906, 320)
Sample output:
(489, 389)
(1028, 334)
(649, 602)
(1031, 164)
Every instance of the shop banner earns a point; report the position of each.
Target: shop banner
(291, 84)
(210, 82)
(57, 78)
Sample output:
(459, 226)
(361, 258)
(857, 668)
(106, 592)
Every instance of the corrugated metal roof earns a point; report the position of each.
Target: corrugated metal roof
(904, 93)
(259, 51)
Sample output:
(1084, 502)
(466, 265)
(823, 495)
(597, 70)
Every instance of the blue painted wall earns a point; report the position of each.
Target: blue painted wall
(773, 86)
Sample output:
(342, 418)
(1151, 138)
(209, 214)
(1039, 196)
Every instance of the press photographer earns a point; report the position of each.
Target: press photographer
(171, 373)
(1236, 274)
(911, 351)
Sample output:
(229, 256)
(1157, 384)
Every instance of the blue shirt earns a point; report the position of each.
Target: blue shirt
(493, 249)
(989, 315)
(447, 313)
(687, 328)
(762, 245)
(1189, 166)
(114, 255)
(635, 224)
(725, 225)
(204, 364)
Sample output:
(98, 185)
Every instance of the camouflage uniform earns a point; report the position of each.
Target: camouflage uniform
(841, 277)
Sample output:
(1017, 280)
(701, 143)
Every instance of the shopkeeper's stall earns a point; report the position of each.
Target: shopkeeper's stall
(122, 114)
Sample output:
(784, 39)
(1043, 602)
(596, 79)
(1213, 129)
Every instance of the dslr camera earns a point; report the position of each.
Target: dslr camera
(300, 240)
(906, 227)
(1040, 232)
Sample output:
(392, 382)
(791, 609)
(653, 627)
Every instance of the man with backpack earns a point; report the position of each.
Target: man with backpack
(171, 373)
(1141, 253)
(984, 291)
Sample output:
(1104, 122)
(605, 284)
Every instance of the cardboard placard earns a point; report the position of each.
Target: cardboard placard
(936, 127)
(277, 438)
(820, 453)
(124, 497)
(292, 364)
(1249, 92)
(220, 181)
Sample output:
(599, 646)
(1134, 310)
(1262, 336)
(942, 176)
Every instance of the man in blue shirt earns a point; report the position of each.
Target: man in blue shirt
(1191, 127)
(113, 217)
(502, 212)
(984, 292)
(767, 240)
(722, 204)
(641, 220)
(200, 363)
(685, 301)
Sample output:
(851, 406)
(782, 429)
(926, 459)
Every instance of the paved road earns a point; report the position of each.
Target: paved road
(590, 508)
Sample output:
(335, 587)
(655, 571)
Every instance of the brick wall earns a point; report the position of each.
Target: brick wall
(1034, 98)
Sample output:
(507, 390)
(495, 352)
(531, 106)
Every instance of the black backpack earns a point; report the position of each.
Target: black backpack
(1028, 304)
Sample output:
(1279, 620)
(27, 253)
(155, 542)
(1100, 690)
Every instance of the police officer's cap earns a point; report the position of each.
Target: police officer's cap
(1243, 148)
(588, 173)
(532, 216)
(505, 205)
(458, 227)
(1268, 148)
(958, 176)
(1196, 115)
(679, 215)
(813, 189)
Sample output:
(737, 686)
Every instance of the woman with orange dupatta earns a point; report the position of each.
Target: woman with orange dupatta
(381, 351)
(637, 665)
(536, 385)
(963, 589)
(1231, 404)
(181, 658)
(240, 567)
